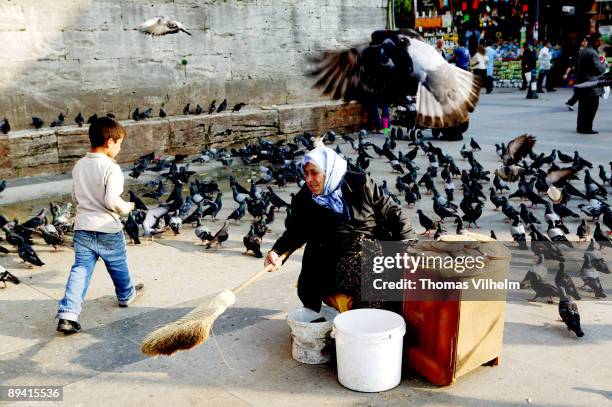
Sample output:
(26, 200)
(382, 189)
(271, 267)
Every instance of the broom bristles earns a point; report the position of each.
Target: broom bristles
(189, 331)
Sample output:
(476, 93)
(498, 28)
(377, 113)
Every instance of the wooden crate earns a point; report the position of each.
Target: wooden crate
(447, 339)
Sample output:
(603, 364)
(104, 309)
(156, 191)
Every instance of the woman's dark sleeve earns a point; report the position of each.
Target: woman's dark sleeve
(294, 236)
(391, 216)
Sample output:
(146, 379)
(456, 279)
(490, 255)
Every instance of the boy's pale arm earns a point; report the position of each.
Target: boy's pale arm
(74, 200)
(114, 189)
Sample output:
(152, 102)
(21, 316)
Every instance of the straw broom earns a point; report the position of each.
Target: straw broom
(194, 328)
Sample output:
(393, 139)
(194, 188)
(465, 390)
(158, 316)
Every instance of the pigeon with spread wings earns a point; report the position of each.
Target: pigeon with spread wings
(517, 149)
(397, 64)
(159, 26)
(599, 82)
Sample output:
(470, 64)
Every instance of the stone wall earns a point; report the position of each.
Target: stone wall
(87, 56)
(52, 150)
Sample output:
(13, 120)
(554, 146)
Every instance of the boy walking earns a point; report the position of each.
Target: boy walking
(96, 189)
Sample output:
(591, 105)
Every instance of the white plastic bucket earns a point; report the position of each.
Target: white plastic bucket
(369, 349)
(311, 342)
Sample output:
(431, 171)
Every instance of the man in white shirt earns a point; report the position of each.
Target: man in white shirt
(544, 60)
(491, 55)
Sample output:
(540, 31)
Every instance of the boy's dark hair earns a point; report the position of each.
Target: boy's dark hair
(104, 128)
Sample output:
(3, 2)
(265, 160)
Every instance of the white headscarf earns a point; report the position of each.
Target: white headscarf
(334, 168)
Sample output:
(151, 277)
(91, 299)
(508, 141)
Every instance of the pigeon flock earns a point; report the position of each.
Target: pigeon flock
(136, 115)
(155, 27)
(536, 177)
(553, 182)
(393, 66)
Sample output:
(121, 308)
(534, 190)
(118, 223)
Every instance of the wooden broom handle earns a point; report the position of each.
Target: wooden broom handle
(260, 273)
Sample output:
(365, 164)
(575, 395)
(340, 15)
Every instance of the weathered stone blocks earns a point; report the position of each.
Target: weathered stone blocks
(29, 152)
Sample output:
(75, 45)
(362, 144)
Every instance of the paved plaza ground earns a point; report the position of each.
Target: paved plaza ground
(248, 360)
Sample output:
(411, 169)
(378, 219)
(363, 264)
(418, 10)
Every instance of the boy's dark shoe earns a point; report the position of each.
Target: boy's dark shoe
(139, 291)
(68, 327)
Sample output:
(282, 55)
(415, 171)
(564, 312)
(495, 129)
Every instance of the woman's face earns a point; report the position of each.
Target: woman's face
(315, 179)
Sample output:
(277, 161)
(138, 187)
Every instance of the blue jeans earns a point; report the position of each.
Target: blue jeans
(88, 247)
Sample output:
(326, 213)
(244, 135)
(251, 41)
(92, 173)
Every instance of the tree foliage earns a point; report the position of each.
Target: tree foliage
(403, 7)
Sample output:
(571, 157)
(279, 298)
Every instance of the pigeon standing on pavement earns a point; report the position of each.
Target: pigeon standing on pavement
(568, 311)
(221, 236)
(28, 255)
(533, 280)
(5, 276)
(590, 278)
(584, 231)
(426, 222)
(600, 237)
(475, 146)
(252, 242)
(517, 230)
(175, 223)
(202, 232)
(562, 280)
(131, 228)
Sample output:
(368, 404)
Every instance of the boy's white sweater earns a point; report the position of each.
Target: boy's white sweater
(97, 185)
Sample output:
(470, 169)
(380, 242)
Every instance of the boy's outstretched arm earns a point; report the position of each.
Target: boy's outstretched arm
(114, 189)
(74, 200)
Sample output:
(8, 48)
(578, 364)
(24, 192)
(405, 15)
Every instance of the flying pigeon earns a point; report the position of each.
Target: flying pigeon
(159, 26)
(397, 64)
(599, 82)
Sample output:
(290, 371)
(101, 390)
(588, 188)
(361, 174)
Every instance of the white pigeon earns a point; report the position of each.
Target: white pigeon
(175, 224)
(160, 25)
(202, 232)
(151, 220)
